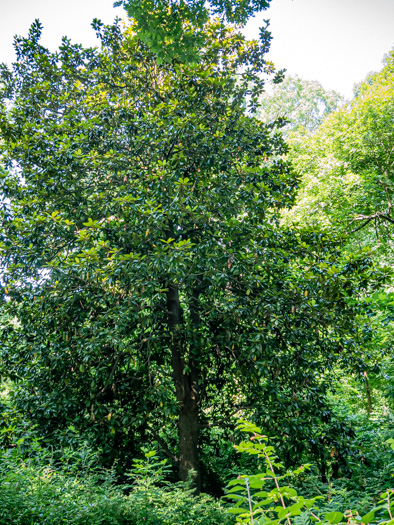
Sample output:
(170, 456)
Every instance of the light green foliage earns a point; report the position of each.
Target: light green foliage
(370, 388)
(155, 500)
(37, 488)
(347, 165)
(302, 103)
(279, 503)
(371, 464)
(252, 503)
(346, 185)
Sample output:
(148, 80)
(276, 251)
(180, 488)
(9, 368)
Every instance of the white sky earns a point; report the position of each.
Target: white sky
(337, 42)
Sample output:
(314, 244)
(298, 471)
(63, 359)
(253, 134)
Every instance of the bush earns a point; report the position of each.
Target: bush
(43, 489)
(263, 499)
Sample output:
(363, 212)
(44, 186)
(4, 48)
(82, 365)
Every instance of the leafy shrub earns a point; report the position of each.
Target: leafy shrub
(46, 488)
(263, 499)
(32, 495)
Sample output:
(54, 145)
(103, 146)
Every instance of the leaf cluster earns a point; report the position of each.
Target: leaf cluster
(173, 29)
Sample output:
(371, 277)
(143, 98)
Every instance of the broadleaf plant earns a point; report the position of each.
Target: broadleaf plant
(281, 503)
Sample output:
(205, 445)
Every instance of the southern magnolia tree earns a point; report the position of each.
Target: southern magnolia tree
(145, 268)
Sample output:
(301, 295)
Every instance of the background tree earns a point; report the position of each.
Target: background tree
(347, 165)
(346, 169)
(302, 103)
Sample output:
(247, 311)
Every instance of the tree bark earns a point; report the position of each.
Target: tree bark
(323, 467)
(368, 392)
(186, 390)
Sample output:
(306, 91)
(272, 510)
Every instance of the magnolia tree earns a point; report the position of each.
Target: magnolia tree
(152, 290)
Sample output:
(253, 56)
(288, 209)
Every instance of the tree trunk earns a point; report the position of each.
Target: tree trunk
(323, 467)
(186, 389)
(368, 392)
(188, 430)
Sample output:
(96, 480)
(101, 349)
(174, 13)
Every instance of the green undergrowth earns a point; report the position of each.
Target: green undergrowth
(39, 490)
(44, 485)
(273, 496)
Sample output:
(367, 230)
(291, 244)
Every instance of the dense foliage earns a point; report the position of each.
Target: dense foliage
(127, 229)
(174, 28)
(150, 278)
(269, 496)
(346, 186)
(170, 265)
(50, 488)
(347, 164)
